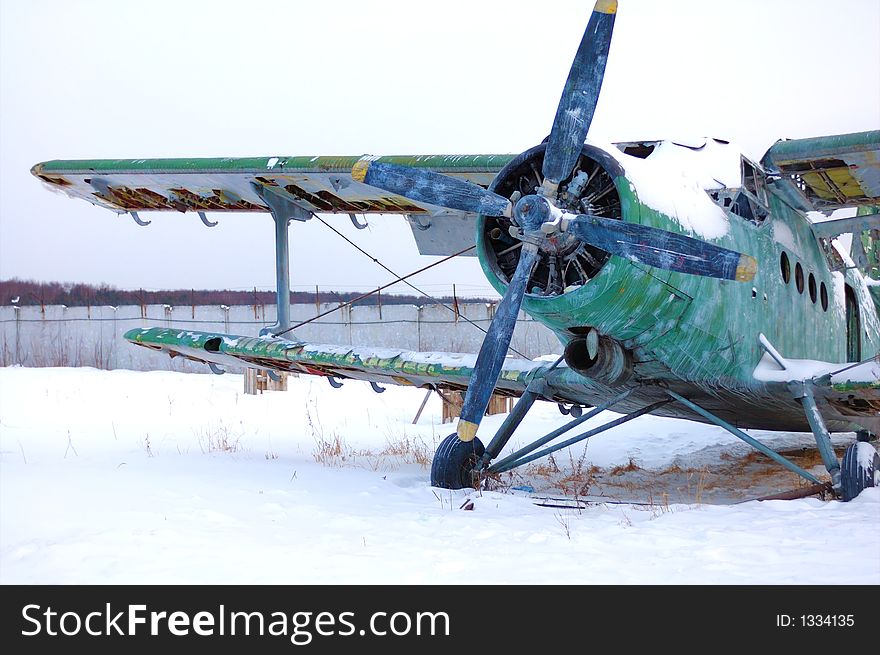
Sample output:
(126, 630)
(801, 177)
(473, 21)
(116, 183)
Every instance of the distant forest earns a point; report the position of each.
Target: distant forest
(28, 292)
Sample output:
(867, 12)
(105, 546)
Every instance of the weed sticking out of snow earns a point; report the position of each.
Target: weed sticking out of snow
(565, 522)
(336, 453)
(219, 439)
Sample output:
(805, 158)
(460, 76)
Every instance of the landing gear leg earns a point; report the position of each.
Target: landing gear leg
(804, 393)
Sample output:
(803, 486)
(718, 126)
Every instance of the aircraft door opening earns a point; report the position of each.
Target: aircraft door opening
(853, 327)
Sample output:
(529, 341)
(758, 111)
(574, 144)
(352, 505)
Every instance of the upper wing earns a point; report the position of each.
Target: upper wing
(309, 184)
(319, 184)
(830, 172)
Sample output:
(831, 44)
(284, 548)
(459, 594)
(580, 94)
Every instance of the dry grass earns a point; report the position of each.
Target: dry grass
(219, 440)
(572, 480)
(336, 453)
(629, 467)
(331, 452)
(734, 476)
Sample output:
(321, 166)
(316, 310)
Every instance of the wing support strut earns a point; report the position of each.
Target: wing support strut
(283, 211)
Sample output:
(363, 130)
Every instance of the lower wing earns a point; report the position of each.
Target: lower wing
(439, 370)
(844, 392)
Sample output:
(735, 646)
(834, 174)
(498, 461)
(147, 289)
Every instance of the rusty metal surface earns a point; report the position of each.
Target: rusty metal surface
(830, 172)
(224, 184)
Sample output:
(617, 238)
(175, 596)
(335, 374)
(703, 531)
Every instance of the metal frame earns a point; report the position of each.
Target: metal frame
(538, 386)
(555, 433)
(521, 457)
(736, 432)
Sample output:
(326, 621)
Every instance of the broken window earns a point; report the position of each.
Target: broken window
(750, 202)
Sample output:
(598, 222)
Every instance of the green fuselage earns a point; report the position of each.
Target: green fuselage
(700, 335)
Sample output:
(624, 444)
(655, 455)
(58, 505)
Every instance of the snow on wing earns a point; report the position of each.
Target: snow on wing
(385, 365)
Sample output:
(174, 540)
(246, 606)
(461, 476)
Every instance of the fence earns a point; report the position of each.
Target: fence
(92, 336)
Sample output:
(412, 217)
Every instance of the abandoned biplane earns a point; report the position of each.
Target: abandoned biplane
(682, 279)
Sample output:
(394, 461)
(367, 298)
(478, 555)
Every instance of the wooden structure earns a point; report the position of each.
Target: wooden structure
(453, 400)
(257, 381)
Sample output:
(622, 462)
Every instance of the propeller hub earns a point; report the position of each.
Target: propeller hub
(533, 211)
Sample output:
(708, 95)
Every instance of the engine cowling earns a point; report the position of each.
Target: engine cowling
(565, 263)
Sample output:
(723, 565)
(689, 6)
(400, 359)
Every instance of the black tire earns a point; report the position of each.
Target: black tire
(454, 463)
(859, 470)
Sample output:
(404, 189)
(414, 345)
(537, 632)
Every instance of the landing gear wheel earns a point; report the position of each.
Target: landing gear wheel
(454, 463)
(859, 470)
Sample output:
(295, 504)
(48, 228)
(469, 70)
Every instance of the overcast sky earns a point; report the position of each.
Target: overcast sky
(94, 79)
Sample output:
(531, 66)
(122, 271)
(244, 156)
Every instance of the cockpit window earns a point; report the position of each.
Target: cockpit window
(753, 181)
(750, 202)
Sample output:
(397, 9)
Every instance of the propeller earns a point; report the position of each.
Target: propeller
(433, 188)
(536, 218)
(494, 347)
(661, 248)
(580, 96)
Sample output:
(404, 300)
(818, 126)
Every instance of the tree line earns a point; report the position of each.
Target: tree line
(30, 292)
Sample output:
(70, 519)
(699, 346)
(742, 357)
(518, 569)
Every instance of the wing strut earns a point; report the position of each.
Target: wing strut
(283, 211)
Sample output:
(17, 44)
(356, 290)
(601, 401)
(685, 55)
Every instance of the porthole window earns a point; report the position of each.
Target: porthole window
(799, 277)
(812, 286)
(823, 297)
(785, 267)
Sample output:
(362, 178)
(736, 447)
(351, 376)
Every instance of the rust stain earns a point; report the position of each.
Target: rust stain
(57, 181)
(328, 202)
(180, 199)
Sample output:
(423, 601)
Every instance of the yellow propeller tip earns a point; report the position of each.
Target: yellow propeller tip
(606, 6)
(359, 170)
(466, 430)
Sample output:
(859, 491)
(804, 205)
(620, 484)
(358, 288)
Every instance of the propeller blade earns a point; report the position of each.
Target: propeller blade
(494, 348)
(581, 94)
(663, 249)
(422, 185)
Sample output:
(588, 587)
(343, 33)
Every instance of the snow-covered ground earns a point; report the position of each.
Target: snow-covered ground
(125, 477)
